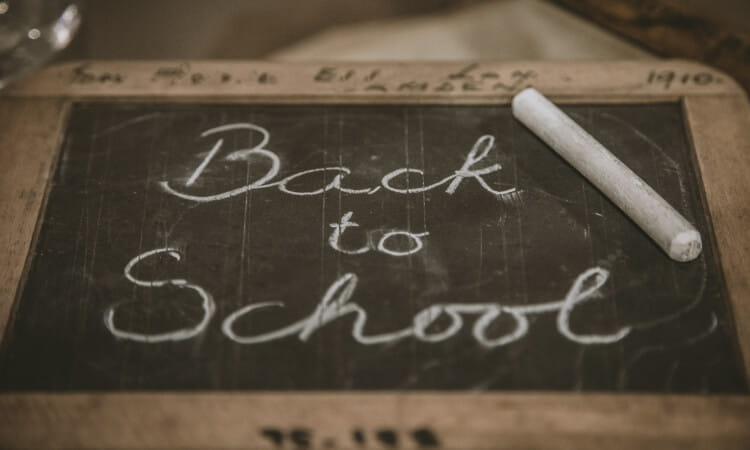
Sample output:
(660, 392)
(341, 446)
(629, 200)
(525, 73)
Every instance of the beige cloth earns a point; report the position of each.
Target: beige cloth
(500, 30)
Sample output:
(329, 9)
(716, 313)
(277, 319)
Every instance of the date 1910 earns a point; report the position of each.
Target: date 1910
(668, 78)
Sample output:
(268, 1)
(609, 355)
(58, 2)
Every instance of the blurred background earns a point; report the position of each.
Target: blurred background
(713, 31)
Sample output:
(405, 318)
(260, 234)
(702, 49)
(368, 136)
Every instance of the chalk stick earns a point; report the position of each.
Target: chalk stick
(667, 227)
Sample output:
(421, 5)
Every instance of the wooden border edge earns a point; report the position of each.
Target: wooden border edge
(31, 138)
(373, 81)
(722, 151)
(455, 420)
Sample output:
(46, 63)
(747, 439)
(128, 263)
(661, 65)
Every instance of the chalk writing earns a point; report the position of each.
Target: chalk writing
(337, 300)
(479, 151)
(415, 246)
(207, 303)
(383, 246)
(204, 163)
(336, 303)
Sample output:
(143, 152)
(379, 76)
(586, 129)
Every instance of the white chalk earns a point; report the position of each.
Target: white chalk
(674, 234)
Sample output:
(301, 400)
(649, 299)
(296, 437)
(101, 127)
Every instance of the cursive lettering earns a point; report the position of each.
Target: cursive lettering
(479, 151)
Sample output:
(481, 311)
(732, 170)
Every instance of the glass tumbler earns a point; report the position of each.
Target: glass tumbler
(32, 31)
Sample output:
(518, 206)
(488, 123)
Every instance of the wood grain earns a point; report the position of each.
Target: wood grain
(29, 139)
(722, 149)
(461, 421)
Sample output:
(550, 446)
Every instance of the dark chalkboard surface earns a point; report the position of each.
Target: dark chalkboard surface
(443, 247)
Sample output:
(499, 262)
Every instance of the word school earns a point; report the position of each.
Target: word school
(337, 302)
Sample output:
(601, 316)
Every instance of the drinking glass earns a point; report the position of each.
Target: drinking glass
(32, 31)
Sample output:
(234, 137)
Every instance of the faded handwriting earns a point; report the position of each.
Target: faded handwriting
(467, 79)
(82, 74)
(172, 75)
(667, 78)
(177, 71)
(464, 72)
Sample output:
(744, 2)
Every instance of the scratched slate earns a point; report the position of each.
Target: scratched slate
(106, 206)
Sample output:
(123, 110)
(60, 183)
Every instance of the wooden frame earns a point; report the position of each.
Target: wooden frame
(33, 117)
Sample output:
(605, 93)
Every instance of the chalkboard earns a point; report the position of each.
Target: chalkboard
(343, 247)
